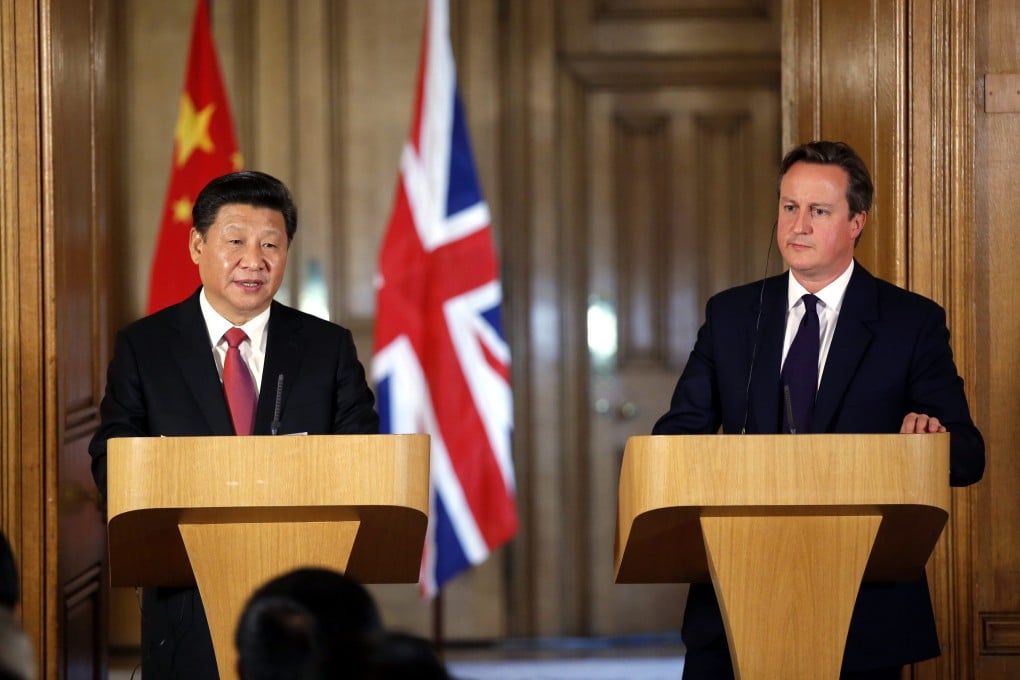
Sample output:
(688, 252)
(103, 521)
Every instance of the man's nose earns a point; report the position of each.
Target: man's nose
(802, 223)
(251, 257)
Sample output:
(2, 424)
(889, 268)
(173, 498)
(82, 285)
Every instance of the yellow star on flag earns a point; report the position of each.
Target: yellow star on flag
(237, 160)
(192, 130)
(182, 209)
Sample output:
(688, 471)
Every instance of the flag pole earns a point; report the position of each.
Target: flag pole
(437, 625)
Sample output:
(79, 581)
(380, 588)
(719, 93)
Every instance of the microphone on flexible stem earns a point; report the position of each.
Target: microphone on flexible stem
(757, 323)
(788, 409)
(275, 426)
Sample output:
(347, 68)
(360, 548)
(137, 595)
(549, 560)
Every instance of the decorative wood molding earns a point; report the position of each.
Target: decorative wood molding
(657, 27)
(572, 152)
(681, 9)
(721, 140)
(1000, 633)
(940, 264)
(646, 71)
(905, 102)
(857, 96)
(640, 148)
(23, 358)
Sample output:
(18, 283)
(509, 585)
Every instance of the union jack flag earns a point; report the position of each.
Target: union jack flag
(441, 363)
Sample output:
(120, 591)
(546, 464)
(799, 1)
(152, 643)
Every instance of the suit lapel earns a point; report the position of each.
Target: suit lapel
(194, 358)
(849, 343)
(765, 379)
(284, 350)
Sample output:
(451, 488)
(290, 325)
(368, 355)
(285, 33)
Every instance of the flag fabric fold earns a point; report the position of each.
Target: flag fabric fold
(441, 364)
(204, 148)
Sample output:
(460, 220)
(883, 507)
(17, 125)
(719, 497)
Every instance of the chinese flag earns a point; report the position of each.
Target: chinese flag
(204, 148)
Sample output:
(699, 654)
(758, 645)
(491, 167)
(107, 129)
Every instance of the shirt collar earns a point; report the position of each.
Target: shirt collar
(831, 296)
(254, 328)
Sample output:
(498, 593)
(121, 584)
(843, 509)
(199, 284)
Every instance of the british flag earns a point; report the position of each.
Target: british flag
(441, 363)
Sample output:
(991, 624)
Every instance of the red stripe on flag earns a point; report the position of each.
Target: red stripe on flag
(204, 148)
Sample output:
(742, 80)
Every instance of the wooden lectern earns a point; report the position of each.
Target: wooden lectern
(230, 513)
(785, 527)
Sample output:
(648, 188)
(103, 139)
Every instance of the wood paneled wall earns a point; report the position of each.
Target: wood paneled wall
(575, 130)
(24, 510)
(645, 140)
(903, 82)
(56, 191)
(993, 240)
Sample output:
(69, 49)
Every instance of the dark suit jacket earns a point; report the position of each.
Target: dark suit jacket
(890, 355)
(163, 381)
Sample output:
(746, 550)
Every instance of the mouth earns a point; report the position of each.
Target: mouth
(250, 284)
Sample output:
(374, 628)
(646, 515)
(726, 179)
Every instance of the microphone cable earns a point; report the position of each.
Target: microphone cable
(757, 323)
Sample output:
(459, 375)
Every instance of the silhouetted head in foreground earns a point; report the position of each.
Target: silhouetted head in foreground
(308, 624)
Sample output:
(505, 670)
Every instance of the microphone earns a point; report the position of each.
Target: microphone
(275, 426)
(757, 323)
(788, 409)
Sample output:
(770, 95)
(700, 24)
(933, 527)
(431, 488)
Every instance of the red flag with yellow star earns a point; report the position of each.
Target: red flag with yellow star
(204, 148)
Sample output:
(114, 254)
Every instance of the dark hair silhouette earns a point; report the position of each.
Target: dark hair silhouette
(309, 624)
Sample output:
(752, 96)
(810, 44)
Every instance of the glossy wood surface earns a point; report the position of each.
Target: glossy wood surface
(231, 513)
(777, 521)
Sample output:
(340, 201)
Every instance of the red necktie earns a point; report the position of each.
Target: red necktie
(238, 384)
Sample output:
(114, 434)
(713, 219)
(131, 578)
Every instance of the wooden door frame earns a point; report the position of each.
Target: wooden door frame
(34, 427)
(27, 423)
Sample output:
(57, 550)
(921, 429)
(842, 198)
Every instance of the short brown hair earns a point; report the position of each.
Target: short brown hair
(859, 189)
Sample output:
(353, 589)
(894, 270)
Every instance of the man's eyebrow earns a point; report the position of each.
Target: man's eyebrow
(812, 204)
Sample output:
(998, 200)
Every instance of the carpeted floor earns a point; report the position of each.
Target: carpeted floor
(639, 658)
(665, 668)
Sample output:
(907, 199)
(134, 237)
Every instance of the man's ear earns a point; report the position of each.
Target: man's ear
(195, 244)
(857, 223)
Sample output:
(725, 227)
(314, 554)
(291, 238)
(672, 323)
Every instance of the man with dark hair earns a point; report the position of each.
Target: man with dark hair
(227, 360)
(402, 656)
(826, 348)
(309, 623)
(10, 592)
(17, 661)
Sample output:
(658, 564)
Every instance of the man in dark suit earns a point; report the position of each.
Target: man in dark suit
(884, 365)
(299, 374)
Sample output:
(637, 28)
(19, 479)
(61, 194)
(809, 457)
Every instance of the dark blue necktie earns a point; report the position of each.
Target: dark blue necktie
(800, 372)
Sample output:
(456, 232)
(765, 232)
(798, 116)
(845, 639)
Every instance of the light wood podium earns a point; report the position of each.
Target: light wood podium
(786, 527)
(230, 513)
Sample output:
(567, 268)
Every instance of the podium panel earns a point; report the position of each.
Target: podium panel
(229, 513)
(785, 527)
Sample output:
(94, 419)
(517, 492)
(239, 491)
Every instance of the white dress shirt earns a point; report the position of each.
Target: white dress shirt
(830, 300)
(253, 352)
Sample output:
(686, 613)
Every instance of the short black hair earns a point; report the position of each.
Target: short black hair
(859, 188)
(402, 655)
(247, 187)
(278, 638)
(10, 593)
(332, 618)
